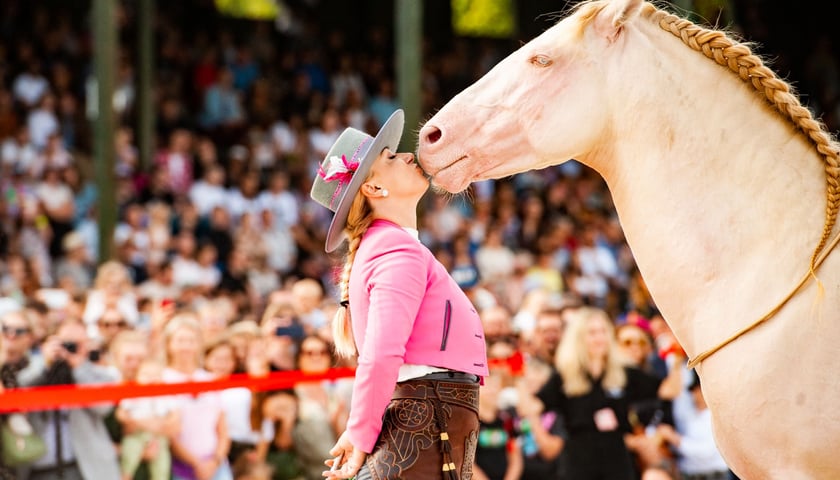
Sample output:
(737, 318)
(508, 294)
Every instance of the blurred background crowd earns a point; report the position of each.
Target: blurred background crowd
(219, 265)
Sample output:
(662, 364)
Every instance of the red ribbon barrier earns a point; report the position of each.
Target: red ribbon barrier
(61, 396)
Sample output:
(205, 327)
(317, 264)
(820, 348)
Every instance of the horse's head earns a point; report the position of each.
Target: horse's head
(543, 104)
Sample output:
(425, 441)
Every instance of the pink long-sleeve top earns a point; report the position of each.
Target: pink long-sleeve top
(405, 309)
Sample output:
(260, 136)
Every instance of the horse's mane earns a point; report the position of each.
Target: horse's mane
(737, 56)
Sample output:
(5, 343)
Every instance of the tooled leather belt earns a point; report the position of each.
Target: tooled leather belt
(464, 394)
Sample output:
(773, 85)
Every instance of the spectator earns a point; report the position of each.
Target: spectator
(149, 419)
(112, 288)
(58, 205)
(588, 367)
(30, 86)
(18, 153)
(220, 359)
(17, 342)
(222, 104)
(74, 271)
(78, 444)
(276, 412)
(209, 192)
(693, 440)
(43, 121)
(200, 450)
(322, 407)
(175, 162)
(307, 295)
(498, 455)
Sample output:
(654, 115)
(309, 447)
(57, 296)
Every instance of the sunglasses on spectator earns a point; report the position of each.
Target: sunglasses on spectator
(629, 342)
(313, 353)
(117, 324)
(15, 331)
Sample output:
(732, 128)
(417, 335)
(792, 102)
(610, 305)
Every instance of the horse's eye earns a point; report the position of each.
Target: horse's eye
(541, 61)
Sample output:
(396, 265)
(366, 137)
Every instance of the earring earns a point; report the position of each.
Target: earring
(384, 192)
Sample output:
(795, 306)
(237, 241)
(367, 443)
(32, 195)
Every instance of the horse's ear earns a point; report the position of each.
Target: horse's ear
(615, 14)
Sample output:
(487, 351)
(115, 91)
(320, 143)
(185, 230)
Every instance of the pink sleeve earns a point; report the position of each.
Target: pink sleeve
(397, 285)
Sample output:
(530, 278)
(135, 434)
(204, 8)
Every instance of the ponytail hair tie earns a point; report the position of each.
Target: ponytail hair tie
(345, 303)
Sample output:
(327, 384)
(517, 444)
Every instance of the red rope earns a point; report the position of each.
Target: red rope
(60, 396)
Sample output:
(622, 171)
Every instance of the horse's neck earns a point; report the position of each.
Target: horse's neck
(714, 192)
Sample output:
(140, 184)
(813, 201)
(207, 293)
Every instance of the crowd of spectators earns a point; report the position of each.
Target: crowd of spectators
(219, 264)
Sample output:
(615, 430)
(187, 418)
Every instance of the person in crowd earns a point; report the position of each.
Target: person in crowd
(693, 442)
(112, 288)
(499, 453)
(148, 418)
(108, 326)
(78, 444)
(18, 340)
(307, 295)
(393, 293)
(497, 323)
(275, 413)
(322, 406)
(220, 360)
(74, 270)
(200, 450)
(593, 389)
(544, 340)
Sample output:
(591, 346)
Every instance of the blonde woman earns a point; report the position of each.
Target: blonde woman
(592, 389)
(201, 448)
(420, 343)
(112, 289)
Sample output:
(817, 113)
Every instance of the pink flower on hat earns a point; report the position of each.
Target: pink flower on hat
(338, 169)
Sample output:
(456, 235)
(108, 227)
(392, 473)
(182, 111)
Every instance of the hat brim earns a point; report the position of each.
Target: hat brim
(387, 137)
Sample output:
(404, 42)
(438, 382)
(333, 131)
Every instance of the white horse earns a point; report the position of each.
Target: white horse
(719, 178)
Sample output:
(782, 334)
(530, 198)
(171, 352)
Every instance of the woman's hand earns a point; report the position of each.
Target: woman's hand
(205, 469)
(350, 459)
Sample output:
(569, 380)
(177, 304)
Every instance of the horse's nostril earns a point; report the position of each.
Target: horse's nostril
(433, 135)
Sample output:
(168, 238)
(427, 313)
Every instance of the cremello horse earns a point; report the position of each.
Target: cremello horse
(719, 178)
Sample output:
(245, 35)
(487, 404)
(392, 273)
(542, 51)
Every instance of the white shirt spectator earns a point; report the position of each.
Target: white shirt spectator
(29, 88)
(285, 140)
(42, 123)
(206, 196)
(54, 196)
(238, 204)
(186, 272)
(14, 154)
(282, 205)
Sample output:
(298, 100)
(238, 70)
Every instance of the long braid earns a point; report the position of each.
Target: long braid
(739, 59)
(358, 220)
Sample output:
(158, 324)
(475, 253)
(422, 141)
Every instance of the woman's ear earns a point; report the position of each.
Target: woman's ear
(369, 190)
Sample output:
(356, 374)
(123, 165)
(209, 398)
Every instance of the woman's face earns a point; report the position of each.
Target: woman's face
(597, 338)
(220, 360)
(399, 174)
(634, 344)
(183, 345)
(314, 355)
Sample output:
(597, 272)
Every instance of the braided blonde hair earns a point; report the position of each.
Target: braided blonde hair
(359, 219)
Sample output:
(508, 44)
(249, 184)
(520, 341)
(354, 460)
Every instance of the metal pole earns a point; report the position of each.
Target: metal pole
(145, 85)
(105, 58)
(408, 37)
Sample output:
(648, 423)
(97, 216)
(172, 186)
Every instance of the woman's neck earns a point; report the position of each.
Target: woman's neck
(404, 217)
(184, 366)
(596, 367)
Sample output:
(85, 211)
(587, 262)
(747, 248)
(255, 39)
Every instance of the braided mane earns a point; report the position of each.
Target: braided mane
(714, 44)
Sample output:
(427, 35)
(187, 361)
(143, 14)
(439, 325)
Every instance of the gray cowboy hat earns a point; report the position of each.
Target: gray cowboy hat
(346, 167)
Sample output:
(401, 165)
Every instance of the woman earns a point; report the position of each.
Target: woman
(419, 341)
(322, 405)
(200, 450)
(592, 389)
